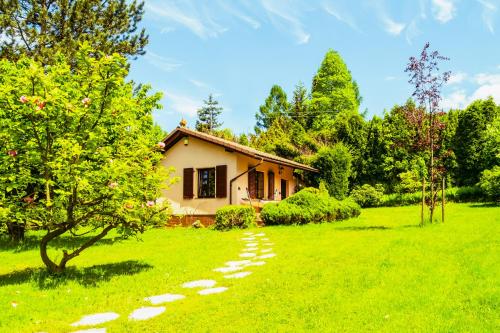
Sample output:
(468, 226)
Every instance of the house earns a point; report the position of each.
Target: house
(215, 172)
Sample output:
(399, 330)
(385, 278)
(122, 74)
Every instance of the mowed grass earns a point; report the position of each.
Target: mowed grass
(379, 272)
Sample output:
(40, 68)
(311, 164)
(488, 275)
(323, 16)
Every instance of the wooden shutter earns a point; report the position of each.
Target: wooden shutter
(188, 183)
(260, 185)
(221, 181)
(270, 187)
(252, 190)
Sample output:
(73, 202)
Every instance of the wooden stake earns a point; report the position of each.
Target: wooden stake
(423, 203)
(442, 199)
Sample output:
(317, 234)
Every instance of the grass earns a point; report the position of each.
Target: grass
(379, 272)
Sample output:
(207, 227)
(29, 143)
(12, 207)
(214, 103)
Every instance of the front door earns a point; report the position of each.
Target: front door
(283, 189)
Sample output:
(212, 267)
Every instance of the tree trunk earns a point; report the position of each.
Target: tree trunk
(423, 203)
(443, 198)
(16, 231)
(432, 170)
(59, 268)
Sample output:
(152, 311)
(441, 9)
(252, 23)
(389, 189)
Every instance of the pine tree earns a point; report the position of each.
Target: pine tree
(299, 105)
(41, 28)
(208, 116)
(275, 106)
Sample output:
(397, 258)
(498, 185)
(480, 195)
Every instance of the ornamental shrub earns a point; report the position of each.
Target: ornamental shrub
(490, 183)
(367, 195)
(230, 217)
(306, 206)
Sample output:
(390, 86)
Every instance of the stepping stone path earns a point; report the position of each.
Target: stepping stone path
(96, 319)
(147, 312)
(212, 291)
(237, 275)
(91, 330)
(159, 299)
(199, 283)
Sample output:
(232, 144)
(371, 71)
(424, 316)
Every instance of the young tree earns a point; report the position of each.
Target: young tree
(298, 110)
(425, 75)
(275, 106)
(40, 28)
(208, 116)
(77, 154)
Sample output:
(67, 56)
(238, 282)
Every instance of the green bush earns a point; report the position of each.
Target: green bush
(230, 217)
(453, 194)
(490, 183)
(367, 195)
(308, 206)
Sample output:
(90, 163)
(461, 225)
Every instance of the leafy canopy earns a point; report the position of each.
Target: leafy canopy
(79, 150)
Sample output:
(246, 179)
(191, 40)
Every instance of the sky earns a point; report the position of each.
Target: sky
(238, 49)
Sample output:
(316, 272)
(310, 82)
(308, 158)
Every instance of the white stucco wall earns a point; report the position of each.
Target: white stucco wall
(199, 154)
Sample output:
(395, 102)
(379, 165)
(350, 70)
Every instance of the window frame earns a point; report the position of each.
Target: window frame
(212, 192)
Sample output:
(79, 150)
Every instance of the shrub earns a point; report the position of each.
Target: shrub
(306, 206)
(334, 165)
(367, 196)
(455, 194)
(490, 183)
(230, 217)
(410, 182)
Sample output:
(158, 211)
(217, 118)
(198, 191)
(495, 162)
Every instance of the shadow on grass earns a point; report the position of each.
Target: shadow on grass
(484, 205)
(87, 277)
(361, 228)
(31, 242)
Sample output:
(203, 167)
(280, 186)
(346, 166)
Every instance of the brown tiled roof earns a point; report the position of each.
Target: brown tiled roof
(181, 132)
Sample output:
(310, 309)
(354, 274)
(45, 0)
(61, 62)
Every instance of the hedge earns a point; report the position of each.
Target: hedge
(306, 206)
(233, 216)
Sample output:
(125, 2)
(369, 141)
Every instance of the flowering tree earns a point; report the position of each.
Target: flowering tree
(79, 151)
(425, 76)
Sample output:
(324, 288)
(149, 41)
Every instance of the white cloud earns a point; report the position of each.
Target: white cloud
(443, 10)
(201, 24)
(488, 14)
(340, 16)
(393, 27)
(239, 14)
(456, 100)
(280, 12)
(457, 78)
(412, 31)
(165, 64)
(390, 78)
(199, 84)
(486, 78)
(182, 104)
(486, 91)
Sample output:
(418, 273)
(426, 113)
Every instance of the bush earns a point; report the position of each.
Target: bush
(367, 195)
(454, 194)
(306, 206)
(490, 183)
(230, 217)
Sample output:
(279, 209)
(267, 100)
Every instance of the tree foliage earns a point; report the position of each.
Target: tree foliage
(275, 106)
(42, 28)
(79, 150)
(208, 116)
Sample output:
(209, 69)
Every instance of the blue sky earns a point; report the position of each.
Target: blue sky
(238, 49)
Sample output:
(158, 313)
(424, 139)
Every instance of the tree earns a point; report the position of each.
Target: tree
(426, 78)
(473, 155)
(208, 116)
(80, 152)
(333, 89)
(275, 106)
(40, 28)
(298, 110)
(334, 165)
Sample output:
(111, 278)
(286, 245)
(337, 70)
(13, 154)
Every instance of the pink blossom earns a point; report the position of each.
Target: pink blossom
(12, 153)
(23, 99)
(161, 144)
(86, 101)
(150, 203)
(40, 105)
(113, 185)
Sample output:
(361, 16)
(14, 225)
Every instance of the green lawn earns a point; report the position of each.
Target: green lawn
(379, 272)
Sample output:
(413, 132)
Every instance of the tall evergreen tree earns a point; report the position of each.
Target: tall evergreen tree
(275, 106)
(40, 28)
(333, 89)
(298, 109)
(208, 116)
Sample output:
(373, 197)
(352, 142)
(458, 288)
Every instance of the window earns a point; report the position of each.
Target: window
(206, 183)
(256, 184)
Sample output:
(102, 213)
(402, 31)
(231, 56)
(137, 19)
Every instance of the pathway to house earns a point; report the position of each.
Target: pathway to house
(237, 269)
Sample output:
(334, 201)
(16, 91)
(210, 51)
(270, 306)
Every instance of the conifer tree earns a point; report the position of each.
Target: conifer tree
(275, 106)
(208, 116)
(42, 28)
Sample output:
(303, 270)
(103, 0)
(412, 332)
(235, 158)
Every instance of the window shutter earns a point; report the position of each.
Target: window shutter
(270, 188)
(188, 183)
(251, 184)
(260, 185)
(221, 181)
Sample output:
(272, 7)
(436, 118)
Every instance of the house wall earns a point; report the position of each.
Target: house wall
(199, 154)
